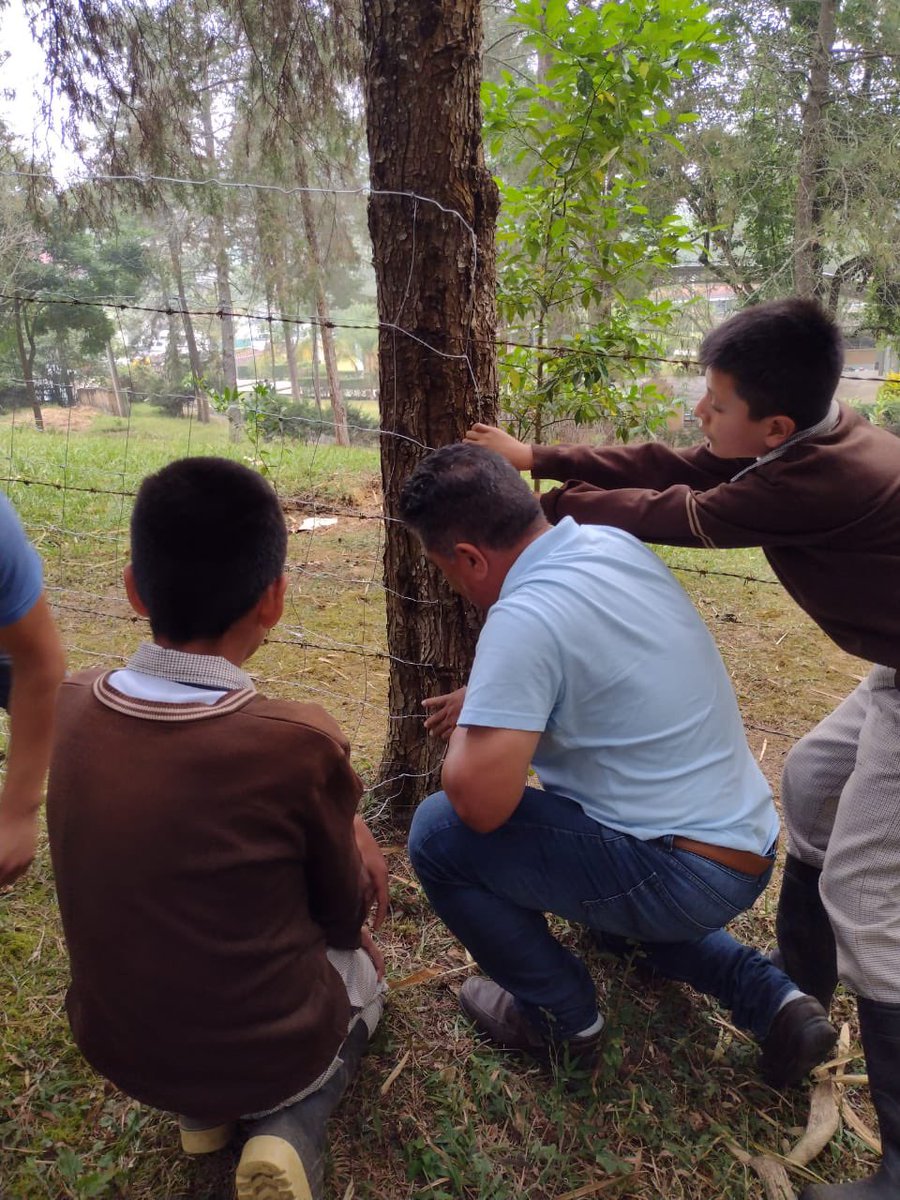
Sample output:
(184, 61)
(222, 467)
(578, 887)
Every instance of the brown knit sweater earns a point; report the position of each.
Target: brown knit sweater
(204, 858)
(827, 515)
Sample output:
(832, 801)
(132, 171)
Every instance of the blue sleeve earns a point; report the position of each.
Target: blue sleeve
(21, 579)
(516, 679)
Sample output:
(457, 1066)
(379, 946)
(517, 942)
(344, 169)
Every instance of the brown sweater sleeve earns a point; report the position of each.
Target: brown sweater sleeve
(649, 490)
(334, 868)
(649, 465)
(793, 501)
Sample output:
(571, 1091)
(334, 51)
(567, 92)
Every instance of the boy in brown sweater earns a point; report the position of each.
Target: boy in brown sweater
(213, 875)
(787, 468)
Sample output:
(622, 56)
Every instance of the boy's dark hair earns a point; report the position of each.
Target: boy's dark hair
(785, 358)
(207, 538)
(464, 493)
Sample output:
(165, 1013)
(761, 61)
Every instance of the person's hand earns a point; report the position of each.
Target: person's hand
(375, 871)
(518, 454)
(18, 842)
(443, 712)
(373, 950)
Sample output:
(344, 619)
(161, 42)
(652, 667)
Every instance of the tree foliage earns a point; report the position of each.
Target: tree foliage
(791, 174)
(573, 141)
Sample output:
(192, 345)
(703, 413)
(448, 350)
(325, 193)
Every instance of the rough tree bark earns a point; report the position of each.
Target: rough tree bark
(435, 270)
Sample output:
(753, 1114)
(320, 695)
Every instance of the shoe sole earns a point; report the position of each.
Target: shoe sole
(816, 1047)
(206, 1141)
(271, 1169)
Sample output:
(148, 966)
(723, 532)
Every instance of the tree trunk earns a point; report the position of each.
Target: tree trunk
(314, 366)
(808, 250)
(66, 375)
(26, 361)
(123, 407)
(290, 345)
(435, 271)
(201, 403)
(220, 254)
(341, 432)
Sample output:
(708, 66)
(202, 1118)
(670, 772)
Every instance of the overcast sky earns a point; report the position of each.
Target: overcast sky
(22, 75)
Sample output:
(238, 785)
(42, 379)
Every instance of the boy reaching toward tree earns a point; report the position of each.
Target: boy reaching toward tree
(213, 875)
(787, 468)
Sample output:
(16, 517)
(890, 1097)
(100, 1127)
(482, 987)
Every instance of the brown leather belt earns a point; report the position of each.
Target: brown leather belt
(744, 861)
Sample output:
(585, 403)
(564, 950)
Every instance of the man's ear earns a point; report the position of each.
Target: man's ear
(473, 557)
(271, 603)
(131, 592)
(778, 430)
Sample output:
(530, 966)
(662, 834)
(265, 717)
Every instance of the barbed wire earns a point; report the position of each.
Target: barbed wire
(559, 349)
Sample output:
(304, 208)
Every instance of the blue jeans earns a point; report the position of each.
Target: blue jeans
(493, 889)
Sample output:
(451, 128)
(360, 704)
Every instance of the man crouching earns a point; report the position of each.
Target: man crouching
(654, 824)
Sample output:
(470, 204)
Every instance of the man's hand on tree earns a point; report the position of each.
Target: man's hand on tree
(518, 454)
(443, 712)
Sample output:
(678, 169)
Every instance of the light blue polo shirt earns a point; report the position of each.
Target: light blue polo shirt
(594, 644)
(21, 576)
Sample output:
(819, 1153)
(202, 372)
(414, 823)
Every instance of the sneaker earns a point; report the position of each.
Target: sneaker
(495, 1013)
(800, 1038)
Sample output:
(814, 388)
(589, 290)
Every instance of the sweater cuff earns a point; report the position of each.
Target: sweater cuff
(549, 502)
(542, 466)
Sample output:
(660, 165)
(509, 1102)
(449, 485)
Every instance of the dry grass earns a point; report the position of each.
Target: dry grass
(433, 1114)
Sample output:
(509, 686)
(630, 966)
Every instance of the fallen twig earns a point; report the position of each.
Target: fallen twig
(824, 1122)
(386, 1086)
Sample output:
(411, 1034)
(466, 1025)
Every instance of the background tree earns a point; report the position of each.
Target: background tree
(791, 174)
(49, 260)
(304, 65)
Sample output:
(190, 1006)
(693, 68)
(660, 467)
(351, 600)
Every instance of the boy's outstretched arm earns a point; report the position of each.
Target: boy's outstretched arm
(649, 465)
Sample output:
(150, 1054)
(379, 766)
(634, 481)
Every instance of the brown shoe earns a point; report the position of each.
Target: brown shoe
(495, 1013)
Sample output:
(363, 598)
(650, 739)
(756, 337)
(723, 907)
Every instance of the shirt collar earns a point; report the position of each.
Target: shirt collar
(826, 425)
(201, 670)
(550, 540)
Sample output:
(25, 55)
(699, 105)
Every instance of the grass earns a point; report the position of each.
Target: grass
(434, 1114)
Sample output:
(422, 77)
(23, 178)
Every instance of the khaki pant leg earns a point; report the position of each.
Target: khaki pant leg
(860, 884)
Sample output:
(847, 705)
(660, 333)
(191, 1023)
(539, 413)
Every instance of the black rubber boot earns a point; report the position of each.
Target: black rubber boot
(805, 942)
(880, 1029)
(284, 1158)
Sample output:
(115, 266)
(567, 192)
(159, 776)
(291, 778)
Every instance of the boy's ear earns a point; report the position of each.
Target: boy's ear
(779, 429)
(131, 592)
(271, 602)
